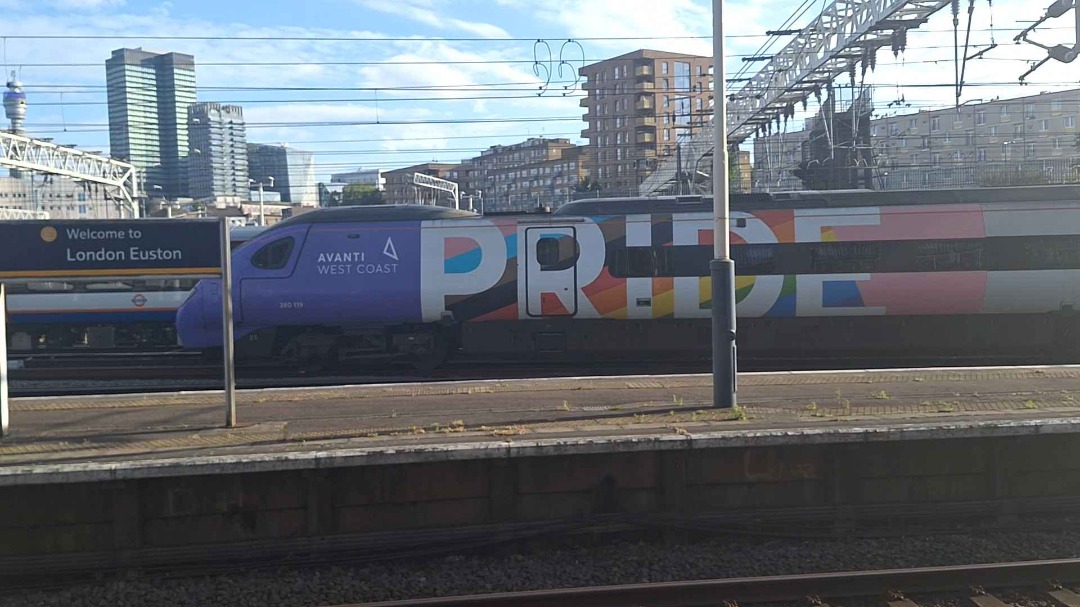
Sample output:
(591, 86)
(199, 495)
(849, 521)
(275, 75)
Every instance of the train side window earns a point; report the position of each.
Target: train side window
(50, 286)
(557, 252)
(843, 257)
(633, 262)
(275, 255)
(754, 259)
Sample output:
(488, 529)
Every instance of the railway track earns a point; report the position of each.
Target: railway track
(1037, 582)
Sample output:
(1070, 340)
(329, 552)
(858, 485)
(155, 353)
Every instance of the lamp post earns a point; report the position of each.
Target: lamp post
(722, 267)
(262, 210)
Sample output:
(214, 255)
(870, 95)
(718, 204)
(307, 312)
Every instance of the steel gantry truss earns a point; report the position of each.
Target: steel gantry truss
(45, 157)
(847, 32)
(440, 185)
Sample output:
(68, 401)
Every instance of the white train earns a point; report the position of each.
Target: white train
(59, 316)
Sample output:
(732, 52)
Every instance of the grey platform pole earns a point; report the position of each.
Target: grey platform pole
(227, 352)
(721, 268)
(4, 420)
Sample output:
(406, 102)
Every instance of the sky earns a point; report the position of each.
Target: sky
(389, 83)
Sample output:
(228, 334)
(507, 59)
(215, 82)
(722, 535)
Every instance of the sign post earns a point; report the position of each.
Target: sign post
(227, 352)
(4, 420)
(34, 251)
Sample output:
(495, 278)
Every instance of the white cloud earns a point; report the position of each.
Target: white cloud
(84, 5)
(430, 13)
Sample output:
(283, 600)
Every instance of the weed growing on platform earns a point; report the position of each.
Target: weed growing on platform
(843, 402)
(737, 414)
(1030, 405)
(566, 405)
(882, 395)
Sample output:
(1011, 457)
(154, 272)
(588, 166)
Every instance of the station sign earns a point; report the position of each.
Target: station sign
(84, 248)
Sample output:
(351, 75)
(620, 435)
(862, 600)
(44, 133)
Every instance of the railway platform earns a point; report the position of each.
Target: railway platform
(791, 407)
(153, 479)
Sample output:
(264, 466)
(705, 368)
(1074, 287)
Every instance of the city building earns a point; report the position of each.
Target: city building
(293, 172)
(375, 178)
(148, 99)
(537, 171)
(401, 190)
(1019, 141)
(218, 162)
(641, 106)
(61, 197)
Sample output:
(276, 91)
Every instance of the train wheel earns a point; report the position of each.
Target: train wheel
(308, 358)
(426, 360)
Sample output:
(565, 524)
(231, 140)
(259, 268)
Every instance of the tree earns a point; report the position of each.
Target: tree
(735, 183)
(360, 194)
(587, 185)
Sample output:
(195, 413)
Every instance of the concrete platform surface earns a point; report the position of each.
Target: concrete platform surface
(68, 434)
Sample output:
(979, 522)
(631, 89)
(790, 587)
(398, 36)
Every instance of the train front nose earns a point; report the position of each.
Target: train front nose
(197, 327)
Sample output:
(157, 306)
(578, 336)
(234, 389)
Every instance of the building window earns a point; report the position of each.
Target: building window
(1031, 149)
(1029, 110)
(1055, 106)
(663, 68)
(980, 117)
(914, 159)
(667, 134)
(947, 138)
(699, 104)
(913, 123)
(1044, 125)
(666, 102)
(993, 131)
(873, 131)
(1018, 128)
(935, 159)
(894, 129)
(1070, 122)
(1057, 143)
(935, 123)
(980, 155)
(664, 84)
(1005, 112)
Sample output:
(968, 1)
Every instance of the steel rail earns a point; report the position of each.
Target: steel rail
(770, 588)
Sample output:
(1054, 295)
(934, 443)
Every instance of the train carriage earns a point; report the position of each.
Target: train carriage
(79, 315)
(818, 273)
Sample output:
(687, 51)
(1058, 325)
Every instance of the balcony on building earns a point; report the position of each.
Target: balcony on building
(643, 71)
(644, 87)
(644, 103)
(583, 102)
(586, 134)
(644, 137)
(645, 122)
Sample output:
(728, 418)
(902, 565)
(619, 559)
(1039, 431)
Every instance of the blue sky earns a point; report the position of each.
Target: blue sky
(500, 72)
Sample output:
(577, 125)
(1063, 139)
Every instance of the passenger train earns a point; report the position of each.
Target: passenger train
(58, 316)
(857, 273)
